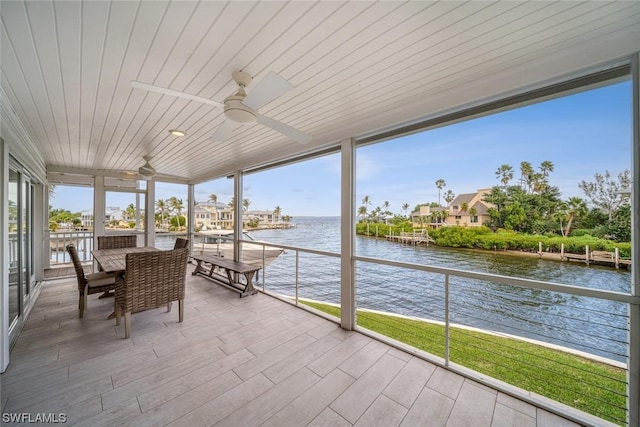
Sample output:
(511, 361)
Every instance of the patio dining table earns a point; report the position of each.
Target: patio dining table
(115, 260)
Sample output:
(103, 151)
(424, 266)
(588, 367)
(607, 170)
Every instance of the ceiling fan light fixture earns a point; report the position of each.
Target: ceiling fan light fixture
(177, 132)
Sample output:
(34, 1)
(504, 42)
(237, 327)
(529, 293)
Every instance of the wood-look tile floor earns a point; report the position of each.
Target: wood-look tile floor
(233, 362)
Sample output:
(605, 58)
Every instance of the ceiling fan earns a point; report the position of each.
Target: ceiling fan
(146, 170)
(240, 107)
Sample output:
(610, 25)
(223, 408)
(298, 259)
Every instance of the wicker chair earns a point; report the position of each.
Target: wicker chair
(117, 241)
(181, 243)
(152, 279)
(91, 283)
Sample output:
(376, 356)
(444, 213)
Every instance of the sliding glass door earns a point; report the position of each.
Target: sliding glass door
(15, 300)
(21, 249)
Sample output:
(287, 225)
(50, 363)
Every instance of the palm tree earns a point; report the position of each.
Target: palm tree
(276, 213)
(386, 206)
(546, 167)
(538, 182)
(245, 204)
(362, 212)
(176, 205)
(366, 202)
(526, 175)
(575, 207)
(440, 184)
(449, 196)
(405, 208)
(504, 174)
(129, 213)
(464, 206)
(161, 206)
(213, 198)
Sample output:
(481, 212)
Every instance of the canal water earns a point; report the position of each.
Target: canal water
(586, 324)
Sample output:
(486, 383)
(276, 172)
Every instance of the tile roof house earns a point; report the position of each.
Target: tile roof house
(469, 209)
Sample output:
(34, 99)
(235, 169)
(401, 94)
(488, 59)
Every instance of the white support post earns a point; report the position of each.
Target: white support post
(191, 214)
(99, 209)
(347, 226)
(633, 372)
(237, 214)
(40, 230)
(150, 217)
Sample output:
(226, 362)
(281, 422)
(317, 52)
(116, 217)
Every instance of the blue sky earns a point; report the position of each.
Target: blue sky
(581, 134)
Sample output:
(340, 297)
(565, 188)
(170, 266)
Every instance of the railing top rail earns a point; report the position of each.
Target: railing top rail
(513, 281)
(280, 246)
(496, 278)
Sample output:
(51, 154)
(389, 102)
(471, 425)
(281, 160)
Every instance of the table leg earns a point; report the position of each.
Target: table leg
(198, 268)
(249, 289)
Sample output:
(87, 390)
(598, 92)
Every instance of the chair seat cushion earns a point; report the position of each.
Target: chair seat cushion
(100, 279)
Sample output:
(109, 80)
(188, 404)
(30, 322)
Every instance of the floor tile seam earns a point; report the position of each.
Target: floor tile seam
(337, 414)
(167, 380)
(19, 374)
(215, 398)
(49, 397)
(50, 371)
(417, 395)
(188, 345)
(366, 370)
(31, 385)
(81, 372)
(202, 364)
(535, 417)
(191, 390)
(315, 381)
(282, 343)
(344, 372)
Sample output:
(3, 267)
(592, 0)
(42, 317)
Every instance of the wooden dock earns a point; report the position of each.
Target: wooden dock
(594, 257)
(413, 238)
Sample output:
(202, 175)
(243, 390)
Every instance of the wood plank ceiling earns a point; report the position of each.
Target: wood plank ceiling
(357, 67)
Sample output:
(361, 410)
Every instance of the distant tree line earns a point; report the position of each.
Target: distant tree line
(533, 205)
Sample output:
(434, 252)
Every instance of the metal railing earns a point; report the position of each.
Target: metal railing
(525, 337)
(566, 343)
(58, 240)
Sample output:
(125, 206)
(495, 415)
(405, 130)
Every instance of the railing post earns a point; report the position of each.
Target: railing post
(446, 320)
(347, 238)
(297, 265)
(264, 267)
(633, 371)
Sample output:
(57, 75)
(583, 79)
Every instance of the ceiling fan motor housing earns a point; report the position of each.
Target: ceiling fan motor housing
(236, 111)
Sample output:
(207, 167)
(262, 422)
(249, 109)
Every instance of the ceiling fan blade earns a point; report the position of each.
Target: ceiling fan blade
(272, 86)
(165, 91)
(292, 133)
(224, 131)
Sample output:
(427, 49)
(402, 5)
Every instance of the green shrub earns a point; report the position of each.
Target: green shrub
(581, 232)
(484, 238)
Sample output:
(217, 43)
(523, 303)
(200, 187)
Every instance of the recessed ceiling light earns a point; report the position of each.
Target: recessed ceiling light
(177, 132)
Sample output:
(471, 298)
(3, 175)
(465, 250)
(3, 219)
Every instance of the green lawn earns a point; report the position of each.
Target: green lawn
(593, 387)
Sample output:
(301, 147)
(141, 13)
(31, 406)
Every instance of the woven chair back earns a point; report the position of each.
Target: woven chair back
(73, 253)
(117, 241)
(181, 243)
(153, 279)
